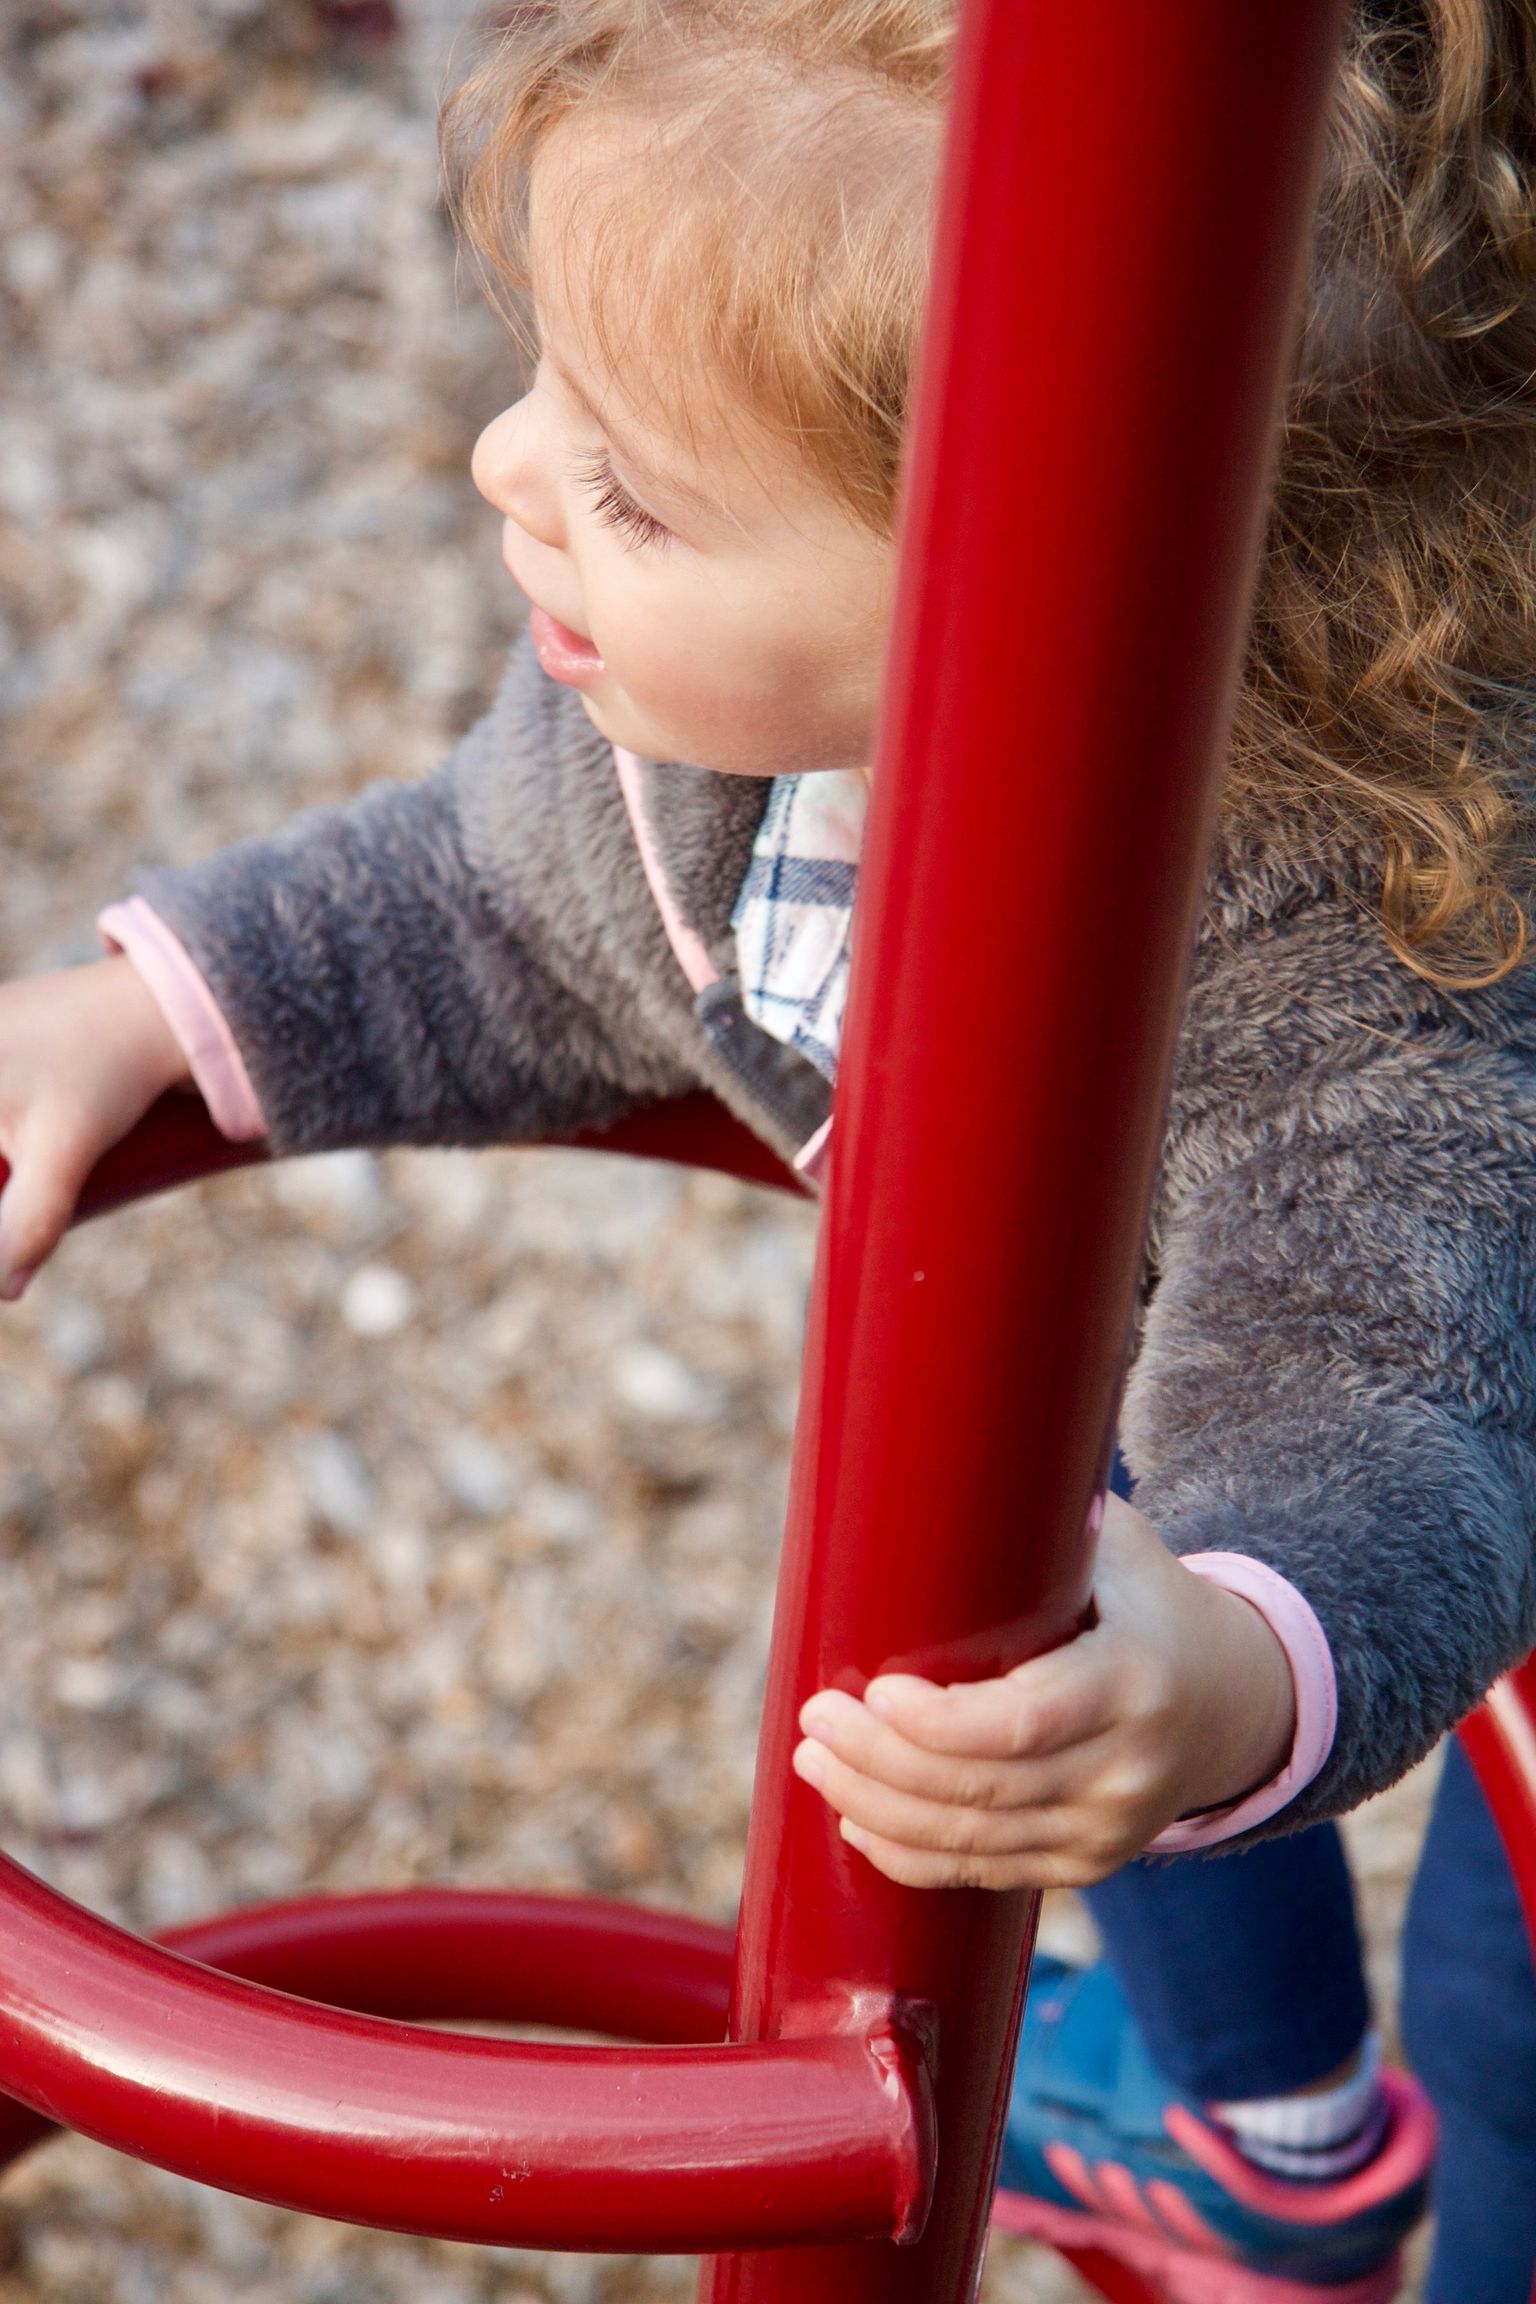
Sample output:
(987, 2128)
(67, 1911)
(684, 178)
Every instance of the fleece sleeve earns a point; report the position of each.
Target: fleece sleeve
(382, 988)
(1337, 1377)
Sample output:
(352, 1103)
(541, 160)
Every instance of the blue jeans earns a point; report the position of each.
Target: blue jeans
(1469, 2026)
(1244, 1973)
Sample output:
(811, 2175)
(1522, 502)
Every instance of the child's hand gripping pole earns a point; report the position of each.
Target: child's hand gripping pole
(1178, 1697)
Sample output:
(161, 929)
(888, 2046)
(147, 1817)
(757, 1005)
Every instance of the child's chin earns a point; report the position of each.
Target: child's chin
(607, 723)
(599, 720)
(627, 729)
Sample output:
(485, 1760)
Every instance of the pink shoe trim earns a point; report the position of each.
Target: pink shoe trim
(1404, 2159)
(1108, 2189)
(1182, 2218)
(1073, 2173)
(1122, 2197)
(198, 1022)
(1179, 2275)
(1295, 1626)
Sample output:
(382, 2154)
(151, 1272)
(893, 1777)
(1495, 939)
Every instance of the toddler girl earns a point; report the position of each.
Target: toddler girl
(634, 877)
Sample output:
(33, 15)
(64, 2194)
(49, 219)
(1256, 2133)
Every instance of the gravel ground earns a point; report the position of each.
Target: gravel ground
(371, 1521)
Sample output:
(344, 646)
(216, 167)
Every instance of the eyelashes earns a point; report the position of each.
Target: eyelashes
(617, 507)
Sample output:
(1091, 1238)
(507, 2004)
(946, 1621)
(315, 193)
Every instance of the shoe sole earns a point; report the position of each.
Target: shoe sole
(1176, 2275)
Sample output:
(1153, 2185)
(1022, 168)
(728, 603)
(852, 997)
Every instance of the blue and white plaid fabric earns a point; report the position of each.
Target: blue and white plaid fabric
(794, 915)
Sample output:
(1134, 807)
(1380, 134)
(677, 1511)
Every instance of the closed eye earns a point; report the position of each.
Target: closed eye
(617, 507)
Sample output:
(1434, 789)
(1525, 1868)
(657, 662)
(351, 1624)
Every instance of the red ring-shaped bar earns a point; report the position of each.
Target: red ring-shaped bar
(177, 1143)
(199, 2056)
(823, 2136)
(453, 1954)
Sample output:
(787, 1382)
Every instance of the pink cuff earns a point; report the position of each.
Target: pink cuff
(137, 931)
(1299, 1633)
(811, 1159)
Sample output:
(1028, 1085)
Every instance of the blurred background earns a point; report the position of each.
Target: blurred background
(368, 1521)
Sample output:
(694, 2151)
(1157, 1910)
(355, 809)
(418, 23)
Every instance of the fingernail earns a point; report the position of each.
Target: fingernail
(14, 1286)
(810, 1765)
(854, 1834)
(821, 1714)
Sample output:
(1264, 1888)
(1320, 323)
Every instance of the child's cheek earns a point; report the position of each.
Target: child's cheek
(733, 685)
(688, 677)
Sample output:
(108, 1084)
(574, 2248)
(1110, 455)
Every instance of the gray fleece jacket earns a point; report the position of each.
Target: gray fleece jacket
(1336, 1365)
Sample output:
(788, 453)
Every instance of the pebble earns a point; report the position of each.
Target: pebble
(342, 1187)
(74, 1335)
(336, 1483)
(475, 1473)
(89, 1683)
(376, 1300)
(560, 1513)
(176, 1881)
(656, 1383)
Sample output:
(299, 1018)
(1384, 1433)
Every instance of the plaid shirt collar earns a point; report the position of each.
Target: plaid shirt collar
(793, 918)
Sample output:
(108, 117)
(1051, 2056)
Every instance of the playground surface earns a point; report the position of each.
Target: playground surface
(371, 1521)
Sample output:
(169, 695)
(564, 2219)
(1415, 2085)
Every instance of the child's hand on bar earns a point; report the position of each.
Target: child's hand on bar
(83, 1055)
(1178, 1698)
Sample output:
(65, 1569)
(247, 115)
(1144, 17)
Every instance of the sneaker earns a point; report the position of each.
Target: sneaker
(1103, 2160)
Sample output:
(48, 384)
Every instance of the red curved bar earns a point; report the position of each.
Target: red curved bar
(693, 1132)
(447, 1954)
(818, 2137)
(176, 1143)
(1499, 1739)
(231, 2079)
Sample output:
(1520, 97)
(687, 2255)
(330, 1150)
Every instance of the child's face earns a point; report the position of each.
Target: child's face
(708, 601)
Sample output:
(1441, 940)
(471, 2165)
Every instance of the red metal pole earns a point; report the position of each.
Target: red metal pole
(1118, 255)
(1499, 1739)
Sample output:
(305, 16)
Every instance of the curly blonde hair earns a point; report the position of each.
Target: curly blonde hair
(783, 243)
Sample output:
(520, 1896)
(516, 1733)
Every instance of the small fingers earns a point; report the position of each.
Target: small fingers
(1072, 1816)
(928, 1868)
(1042, 1707)
(35, 1209)
(875, 1748)
(915, 1821)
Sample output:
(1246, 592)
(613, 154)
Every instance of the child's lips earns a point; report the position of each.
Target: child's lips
(564, 654)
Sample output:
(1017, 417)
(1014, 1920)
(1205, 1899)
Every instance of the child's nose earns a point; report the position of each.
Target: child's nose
(511, 474)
